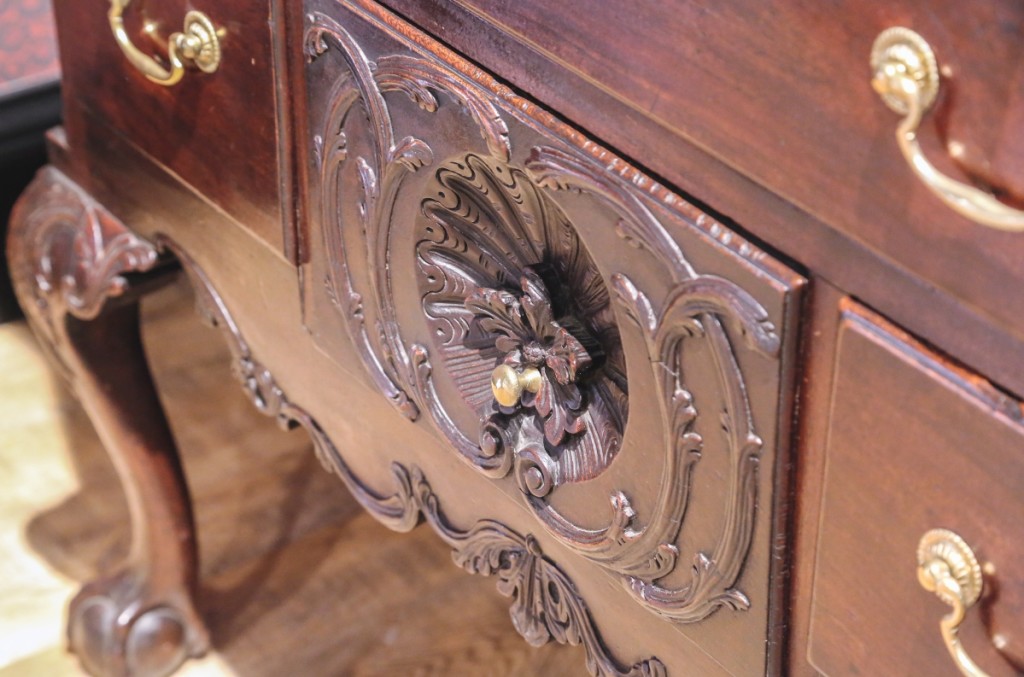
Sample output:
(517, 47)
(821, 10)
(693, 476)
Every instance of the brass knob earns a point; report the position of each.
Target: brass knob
(508, 385)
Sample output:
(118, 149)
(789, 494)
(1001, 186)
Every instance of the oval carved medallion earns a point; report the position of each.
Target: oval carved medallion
(506, 281)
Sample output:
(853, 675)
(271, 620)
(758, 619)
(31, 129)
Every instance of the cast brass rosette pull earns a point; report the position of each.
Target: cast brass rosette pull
(947, 566)
(906, 76)
(197, 45)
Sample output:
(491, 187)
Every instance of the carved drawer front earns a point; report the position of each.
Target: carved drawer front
(916, 444)
(215, 130)
(783, 94)
(612, 363)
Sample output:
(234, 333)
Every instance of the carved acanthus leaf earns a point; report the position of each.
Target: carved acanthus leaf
(491, 245)
(546, 606)
(525, 330)
(416, 77)
(694, 309)
(79, 254)
(498, 312)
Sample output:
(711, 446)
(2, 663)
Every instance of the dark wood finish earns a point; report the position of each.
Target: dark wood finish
(516, 258)
(739, 104)
(437, 223)
(546, 605)
(141, 193)
(218, 132)
(914, 443)
(820, 327)
(67, 257)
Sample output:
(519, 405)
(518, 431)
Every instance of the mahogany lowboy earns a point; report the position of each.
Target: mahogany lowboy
(597, 330)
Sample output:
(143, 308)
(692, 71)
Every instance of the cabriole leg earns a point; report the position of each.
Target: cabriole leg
(73, 267)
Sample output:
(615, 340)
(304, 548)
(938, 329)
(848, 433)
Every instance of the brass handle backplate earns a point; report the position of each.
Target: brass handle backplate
(197, 45)
(906, 76)
(947, 566)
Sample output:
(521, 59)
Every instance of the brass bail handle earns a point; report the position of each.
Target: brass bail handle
(906, 76)
(197, 45)
(948, 567)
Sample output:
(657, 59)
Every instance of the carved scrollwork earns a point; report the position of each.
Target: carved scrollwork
(694, 309)
(545, 604)
(487, 231)
(506, 281)
(78, 252)
(70, 260)
(402, 372)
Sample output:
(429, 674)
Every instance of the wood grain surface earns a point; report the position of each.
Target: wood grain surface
(914, 443)
(765, 113)
(219, 132)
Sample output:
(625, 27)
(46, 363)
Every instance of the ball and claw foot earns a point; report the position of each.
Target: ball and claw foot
(118, 630)
(68, 255)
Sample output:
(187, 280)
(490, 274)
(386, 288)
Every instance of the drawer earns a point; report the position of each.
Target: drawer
(781, 93)
(217, 131)
(914, 444)
(600, 353)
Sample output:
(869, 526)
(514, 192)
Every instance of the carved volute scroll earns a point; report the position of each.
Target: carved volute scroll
(545, 606)
(509, 283)
(506, 281)
(72, 258)
(73, 265)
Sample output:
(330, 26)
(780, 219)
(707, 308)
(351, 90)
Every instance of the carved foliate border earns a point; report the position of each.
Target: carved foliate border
(68, 257)
(71, 260)
(546, 605)
(698, 307)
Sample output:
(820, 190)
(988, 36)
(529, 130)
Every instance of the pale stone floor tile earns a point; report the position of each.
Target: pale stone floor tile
(36, 474)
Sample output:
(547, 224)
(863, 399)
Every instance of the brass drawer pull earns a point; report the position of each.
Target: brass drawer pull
(198, 45)
(906, 76)
(508, 385)
(947, 566)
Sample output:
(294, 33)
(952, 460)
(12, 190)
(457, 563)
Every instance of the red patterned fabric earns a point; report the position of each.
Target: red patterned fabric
(28, 45)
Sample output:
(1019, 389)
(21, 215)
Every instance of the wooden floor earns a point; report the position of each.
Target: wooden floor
(296, 579)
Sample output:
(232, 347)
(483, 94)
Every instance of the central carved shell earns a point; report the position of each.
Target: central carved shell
(506, 280)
